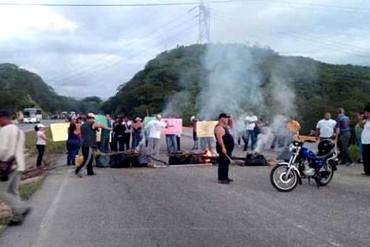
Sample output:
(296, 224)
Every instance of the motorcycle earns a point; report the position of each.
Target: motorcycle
(304, 163)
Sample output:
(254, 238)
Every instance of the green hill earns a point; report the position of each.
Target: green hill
(21, 88)
(178, 82)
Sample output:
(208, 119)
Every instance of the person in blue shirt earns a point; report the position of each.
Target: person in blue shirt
(343, 124)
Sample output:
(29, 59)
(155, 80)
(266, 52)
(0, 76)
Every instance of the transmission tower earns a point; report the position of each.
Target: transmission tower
(204, 23)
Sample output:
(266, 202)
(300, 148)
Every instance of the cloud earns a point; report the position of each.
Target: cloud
(91, 51)
(28, 21)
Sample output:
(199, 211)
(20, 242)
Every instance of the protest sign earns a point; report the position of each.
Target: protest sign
(101, 119)
(174, 126)
(206, 128)
(59, 131)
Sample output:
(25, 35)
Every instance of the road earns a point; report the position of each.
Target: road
(30, 127)
(185, 206)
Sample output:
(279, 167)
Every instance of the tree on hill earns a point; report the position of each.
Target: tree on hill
(180, 75)
(21, 89)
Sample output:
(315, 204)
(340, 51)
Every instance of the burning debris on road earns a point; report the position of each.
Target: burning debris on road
(188, 158)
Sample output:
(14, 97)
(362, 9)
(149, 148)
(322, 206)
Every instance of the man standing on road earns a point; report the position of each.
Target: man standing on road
(326, 128)
(344, 136)
(88, 144)
(224, 147)
(250, 122)
(11, 166)
(195, 136)
(365, 140)
(154, 138)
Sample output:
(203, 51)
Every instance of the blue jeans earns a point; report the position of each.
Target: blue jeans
(105, 145)
(171, 143)
(73, 146)
(205, 143)
(136, 139)
(250, 134)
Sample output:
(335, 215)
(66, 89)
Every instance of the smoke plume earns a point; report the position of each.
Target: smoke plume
(233, 84)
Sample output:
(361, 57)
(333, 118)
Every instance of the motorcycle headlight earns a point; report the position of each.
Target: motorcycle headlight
(292, 148)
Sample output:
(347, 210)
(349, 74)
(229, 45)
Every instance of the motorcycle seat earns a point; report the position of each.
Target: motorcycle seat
(325, 156)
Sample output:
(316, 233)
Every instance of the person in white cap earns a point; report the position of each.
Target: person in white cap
(40, 143)
(88, 144)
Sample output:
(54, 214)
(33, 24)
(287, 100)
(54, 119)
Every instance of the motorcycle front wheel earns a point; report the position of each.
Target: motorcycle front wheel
(281, 180)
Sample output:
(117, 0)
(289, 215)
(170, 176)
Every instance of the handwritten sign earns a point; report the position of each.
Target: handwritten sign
(206, 128)
(174, 126)
(59, 131)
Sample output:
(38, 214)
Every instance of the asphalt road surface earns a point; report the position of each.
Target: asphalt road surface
(185, 206)
(31, 127)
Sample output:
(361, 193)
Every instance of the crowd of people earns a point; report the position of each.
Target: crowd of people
(123, 134)
(343, 134)
(119, 135)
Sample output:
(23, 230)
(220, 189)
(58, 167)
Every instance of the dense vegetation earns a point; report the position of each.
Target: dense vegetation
(20, 89)
(318, 86)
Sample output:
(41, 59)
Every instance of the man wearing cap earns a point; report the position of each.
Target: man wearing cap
(224, 147)
(12, 164)
(88, 144)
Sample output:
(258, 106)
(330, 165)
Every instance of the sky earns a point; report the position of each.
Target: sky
(86, 51)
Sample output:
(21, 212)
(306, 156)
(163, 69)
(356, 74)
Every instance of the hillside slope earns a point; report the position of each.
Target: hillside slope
(21, 88)
(173, 83)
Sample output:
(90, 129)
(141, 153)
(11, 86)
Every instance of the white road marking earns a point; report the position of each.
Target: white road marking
(48, 218)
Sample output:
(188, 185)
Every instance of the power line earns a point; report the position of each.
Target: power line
(113, 5)
(168, 26)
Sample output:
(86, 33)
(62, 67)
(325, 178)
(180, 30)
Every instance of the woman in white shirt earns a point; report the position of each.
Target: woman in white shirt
(365, 140)
(40, 143)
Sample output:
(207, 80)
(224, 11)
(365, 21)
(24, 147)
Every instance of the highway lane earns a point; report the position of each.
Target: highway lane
(30, 127)
(185, 206)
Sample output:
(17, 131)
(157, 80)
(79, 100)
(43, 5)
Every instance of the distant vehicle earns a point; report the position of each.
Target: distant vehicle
(32, 115)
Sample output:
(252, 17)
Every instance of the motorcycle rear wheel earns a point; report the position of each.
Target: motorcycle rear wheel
(325, 180)
(282, 181)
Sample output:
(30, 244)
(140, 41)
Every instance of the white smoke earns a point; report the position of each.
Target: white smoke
(176, 104)
(234, 81)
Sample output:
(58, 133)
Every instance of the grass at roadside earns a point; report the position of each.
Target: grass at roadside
(28, 189)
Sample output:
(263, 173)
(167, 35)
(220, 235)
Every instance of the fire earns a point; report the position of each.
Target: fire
(208, 156)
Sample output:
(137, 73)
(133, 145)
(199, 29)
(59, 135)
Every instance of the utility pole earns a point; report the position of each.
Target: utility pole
(204, 22)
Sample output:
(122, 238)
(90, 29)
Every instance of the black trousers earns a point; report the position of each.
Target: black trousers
(223, 166)
(178, 142)
(87, 153)
(41, 151)
(366, 158)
